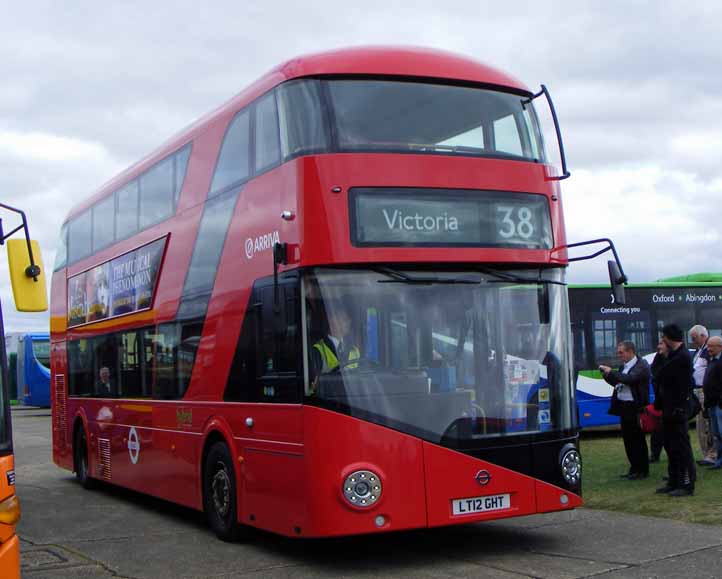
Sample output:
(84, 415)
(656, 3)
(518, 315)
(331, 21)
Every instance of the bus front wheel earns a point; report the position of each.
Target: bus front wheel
(219, 494)
(80, 459)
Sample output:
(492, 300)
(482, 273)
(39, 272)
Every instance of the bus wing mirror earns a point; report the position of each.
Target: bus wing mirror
(616, 279)
(27, 276)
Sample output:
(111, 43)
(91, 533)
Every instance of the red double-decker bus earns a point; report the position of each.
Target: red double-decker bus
(335, 305)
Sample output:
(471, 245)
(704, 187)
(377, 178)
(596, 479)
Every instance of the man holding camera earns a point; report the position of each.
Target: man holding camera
(631, 395)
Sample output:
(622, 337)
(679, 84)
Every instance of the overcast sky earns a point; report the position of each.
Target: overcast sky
(88, 88)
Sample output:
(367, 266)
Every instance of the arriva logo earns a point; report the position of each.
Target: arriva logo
(265, 242)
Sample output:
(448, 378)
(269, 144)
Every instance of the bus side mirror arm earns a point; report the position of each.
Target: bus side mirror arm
(544, 91)
(617, 277)
(33, 270)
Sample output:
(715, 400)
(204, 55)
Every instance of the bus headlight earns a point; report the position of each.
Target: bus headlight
(362, 488)
(571, 465)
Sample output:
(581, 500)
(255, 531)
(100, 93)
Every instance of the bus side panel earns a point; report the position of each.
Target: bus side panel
(337, 445)
(176, 444)
(36, 377)
(62, 424)
(273, 487)
(127, 426)
(452, 475)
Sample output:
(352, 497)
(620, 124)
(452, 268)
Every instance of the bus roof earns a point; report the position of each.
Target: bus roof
(695, 278)
(389, 61)
(691, 280)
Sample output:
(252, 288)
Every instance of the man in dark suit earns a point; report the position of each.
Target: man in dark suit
(631, 395)
(712, 387)
(676, 384)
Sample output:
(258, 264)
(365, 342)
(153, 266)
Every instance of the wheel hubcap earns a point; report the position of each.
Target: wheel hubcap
(221, 486)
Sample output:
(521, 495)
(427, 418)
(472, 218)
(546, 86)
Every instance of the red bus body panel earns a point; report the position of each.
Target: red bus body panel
(291, 463)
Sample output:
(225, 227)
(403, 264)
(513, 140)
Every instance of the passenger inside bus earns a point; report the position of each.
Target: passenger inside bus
(104, 386)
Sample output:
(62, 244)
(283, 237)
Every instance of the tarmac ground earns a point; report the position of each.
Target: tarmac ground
(68, 532)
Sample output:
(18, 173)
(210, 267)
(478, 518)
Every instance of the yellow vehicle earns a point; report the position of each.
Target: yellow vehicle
(28, 281)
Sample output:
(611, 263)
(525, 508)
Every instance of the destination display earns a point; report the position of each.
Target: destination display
(449, 217)
(123, 285)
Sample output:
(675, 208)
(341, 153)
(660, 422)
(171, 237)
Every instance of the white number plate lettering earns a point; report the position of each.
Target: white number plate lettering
(481, 504)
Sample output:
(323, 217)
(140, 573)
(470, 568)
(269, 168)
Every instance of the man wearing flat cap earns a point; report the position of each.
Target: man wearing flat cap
(676, 384)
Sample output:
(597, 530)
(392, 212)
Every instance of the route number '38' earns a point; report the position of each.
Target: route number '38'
(515, 221)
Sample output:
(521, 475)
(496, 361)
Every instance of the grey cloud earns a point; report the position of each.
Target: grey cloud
(629, 81)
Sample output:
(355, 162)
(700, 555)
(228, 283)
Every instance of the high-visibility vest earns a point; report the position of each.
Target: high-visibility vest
(329, 359)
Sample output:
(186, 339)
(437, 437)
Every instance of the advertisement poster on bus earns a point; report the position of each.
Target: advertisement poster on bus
(76, 300)
(98, 292)
(121, 286)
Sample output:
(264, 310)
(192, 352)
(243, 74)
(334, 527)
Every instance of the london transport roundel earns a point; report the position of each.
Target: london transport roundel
(133, 445)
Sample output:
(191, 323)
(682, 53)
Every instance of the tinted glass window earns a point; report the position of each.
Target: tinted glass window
(105, 365)
(206, 254)
(79, 237)
(161, 361)
(155, 362)
(181, 164)
(157, 193)
(303, 127)
(506, 136)
(129, 362)
(126, 216)
(415, 117)
(80, 368)
(266, 364)
(234, 158)
(61, 255)
(268, 151)
(41, 350)
(103, 223)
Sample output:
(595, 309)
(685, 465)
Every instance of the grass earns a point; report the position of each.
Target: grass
(604, 460)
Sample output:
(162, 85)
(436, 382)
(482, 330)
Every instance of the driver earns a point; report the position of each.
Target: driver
(336, 348)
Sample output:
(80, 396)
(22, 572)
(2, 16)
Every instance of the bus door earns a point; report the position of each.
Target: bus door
(270, 431)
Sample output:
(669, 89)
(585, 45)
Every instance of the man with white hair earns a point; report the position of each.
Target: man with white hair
(713, 392)
(698, 336)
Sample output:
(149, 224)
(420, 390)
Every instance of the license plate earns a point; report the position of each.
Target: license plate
(481, 504)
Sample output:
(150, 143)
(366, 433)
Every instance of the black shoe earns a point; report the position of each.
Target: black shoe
(628, 475)
(683, 492)
(705, 462)
(665, 489)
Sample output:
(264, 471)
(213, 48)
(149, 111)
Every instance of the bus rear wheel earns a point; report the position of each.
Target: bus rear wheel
(219, 494)
(80, 460)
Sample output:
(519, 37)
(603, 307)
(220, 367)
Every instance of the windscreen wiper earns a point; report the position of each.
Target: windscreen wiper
(400, 277)
(501, 277)
(431, 147)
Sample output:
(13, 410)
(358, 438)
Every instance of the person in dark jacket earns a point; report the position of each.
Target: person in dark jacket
(712, 386)
(631, 395)
(676, 385)
(656, 439)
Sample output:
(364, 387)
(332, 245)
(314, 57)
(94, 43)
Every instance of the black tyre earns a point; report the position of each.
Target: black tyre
(80, 460)
(219, 494)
